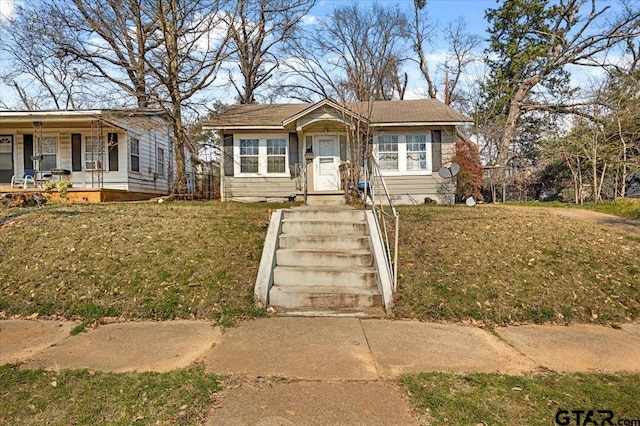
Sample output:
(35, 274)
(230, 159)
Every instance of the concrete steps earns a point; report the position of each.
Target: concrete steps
(324, 265)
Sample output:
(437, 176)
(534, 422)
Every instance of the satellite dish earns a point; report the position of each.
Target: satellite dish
(447, 172)
(471, 202)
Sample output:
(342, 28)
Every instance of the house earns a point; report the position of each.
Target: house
(269, 149)
(105, 154)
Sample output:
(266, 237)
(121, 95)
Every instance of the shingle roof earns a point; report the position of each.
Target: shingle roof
(381, 112)
(256, 115)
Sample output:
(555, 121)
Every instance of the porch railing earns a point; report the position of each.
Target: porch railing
(376, 196)
(299, 172)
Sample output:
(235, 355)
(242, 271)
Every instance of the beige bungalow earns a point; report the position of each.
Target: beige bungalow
(125, 153)
(269, 149)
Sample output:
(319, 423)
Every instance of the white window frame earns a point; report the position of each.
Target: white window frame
(402, 153)
(56, 138)
(90, 161)
(160, 161)
(132, 154)
(262, 154)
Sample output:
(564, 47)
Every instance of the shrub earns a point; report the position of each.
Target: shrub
(469, 179)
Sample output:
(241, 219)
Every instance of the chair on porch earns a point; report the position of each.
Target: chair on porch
(29, 175)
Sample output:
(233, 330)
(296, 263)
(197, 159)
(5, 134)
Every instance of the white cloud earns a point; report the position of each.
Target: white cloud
(310, 20)
(6, 9)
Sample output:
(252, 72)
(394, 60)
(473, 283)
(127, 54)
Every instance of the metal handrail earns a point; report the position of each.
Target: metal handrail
(373, 179)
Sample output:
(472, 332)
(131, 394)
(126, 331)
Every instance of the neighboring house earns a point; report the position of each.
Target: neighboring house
(264, 147)
(128, 151)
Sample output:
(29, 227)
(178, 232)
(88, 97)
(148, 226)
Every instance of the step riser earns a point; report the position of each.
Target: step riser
(322, 259)
(324, 228)
(355, 215)
(278, 297)
(326, 200)
(324, 242)
(311, 278)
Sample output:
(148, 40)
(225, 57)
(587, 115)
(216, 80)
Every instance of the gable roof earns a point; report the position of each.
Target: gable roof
(381, 113)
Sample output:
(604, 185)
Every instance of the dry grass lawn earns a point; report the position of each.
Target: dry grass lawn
(136, 260)
(488, 264)
(506, 266)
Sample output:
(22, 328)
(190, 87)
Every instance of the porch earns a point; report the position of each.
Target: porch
(82, 195)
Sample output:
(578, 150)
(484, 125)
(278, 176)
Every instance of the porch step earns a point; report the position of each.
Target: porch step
(324, 242)
(324, 297)
(324, 264)
(325, 277)
(323, 227)
(372, 312)
(328, 258)
(331, 213)
(326, 199)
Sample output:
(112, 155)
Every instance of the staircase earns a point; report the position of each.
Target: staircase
(324, 264)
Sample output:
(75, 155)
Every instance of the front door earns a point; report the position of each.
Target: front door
(327, 163)
(6, 158)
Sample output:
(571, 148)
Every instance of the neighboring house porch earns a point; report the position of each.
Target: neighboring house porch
(106, 155)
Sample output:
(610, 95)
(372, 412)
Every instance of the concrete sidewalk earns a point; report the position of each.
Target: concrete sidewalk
(346, 364)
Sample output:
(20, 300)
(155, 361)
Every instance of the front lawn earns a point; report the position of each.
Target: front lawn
(136, 260)
(507, 266)
(485, 264)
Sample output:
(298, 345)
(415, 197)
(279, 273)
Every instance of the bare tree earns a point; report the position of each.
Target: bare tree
(41, 75)
(192, 41)
(257, 29)
(356, 53)
(421, 32)
(461, 47)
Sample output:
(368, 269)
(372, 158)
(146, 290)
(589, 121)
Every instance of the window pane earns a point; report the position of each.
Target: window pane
(135, 163)
(388, 161)
(248, 146)
(276, 147)
(249, 164)
(275, 164)
(388, 152)
(48, 162)
(416, 152)
(49, 145)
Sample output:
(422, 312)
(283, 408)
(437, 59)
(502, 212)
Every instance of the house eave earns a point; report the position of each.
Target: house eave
(420, 123)
(224, 129)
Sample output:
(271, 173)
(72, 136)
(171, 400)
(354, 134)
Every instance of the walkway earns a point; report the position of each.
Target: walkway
(319, 370)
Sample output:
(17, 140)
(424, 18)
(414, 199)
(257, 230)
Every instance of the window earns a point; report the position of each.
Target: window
(49, 150)
(134, 154)
(416, 152)
(388, 152)
(160, 162)
(249, 150)
(93, 153)
(404, 153)
(276, 155)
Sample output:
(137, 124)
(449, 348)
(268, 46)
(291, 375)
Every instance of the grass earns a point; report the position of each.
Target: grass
(511, 266)
(82, 397)
(625, 208)
(135, 260)
(532, 400)
(199, 260)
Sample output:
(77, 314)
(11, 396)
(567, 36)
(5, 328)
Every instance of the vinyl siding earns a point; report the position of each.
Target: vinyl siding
(261, 187)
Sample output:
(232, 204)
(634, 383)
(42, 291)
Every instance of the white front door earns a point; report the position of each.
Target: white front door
(326, 163)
